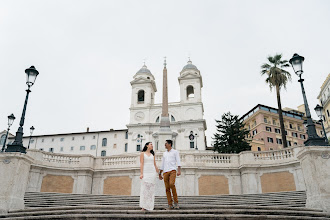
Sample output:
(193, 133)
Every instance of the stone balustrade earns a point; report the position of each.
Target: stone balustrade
(188, 159)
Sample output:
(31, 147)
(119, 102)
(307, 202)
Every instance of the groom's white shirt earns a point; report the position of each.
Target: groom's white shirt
(170, 161)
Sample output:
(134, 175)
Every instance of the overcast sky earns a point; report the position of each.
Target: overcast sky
(88, 51)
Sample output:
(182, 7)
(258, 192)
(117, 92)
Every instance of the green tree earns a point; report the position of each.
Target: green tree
(231, 135)
(277, 77)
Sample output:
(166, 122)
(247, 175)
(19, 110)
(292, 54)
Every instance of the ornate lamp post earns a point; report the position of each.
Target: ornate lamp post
(31, 132)
(318, 109)
(11, 119)
(196, 141)
(17, 145)
(313, 139)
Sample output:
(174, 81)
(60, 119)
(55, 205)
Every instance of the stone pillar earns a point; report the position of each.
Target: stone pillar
(315, 165)
(14, 173)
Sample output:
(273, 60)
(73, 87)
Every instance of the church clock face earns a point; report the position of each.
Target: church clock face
(139, 116)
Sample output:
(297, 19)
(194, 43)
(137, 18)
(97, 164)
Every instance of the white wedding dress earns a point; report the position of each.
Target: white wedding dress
(147, 191)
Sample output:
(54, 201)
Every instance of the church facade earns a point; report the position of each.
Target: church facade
(186, 121)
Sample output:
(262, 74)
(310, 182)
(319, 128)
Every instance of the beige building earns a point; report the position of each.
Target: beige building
(324, 99)
(265, 132)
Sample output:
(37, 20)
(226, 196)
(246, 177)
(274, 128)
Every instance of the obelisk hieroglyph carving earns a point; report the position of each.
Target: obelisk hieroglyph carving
(164, 120)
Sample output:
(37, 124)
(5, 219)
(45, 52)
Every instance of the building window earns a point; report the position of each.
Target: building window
(289, 143)
(290, 125)
(94, 137)
(83, 137)
(62, 139)
(268, 129)
(274, 122)
(52, 139)
(126, 145)
(172, 118)
(138, 147)
(71, 148)
(278, 131)
(265, 120)
(41, 149)
(32, 141)
(302, 136)
(126, 135)
(278, 141)
(270, 140)
(82, 147)
(93, 147)
(321, 132)
(115, 136)
(294, 134)
(190, 92)
(295, 143)
(114, 146)
(328, 113)
(141, 96)
(157, 120)
(73, 138)
(259, 149)
(270, 148)
(51, 150)
(61, 149)
(254, 132)
(103, 153)
(192, 144)
(2, 140)
(104, 142)
(42, 140)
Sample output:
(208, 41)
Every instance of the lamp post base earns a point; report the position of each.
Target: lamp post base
(316, 142)
(16, 148)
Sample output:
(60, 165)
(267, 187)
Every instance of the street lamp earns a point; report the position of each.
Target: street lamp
(196, 141)
(31, 132)
(313, 139)
(17, 145)
(318, 109)
(11, 119)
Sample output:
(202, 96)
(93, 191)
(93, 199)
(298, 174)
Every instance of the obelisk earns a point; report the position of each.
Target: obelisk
(164, 120)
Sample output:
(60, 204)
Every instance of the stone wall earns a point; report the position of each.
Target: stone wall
(203, 173)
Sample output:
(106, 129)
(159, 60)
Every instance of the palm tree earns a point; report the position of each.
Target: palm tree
(277, 77)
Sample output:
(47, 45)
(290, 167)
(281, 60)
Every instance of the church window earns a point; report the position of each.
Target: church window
(138, 147)
(157, 120)
(192, 145)
(172, 118)
(104, 142)
(190, 92)
(126, 135)
(103, 153)
(126, 145)
(141, 96)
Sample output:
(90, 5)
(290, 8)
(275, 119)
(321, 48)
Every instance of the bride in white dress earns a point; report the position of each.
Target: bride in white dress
(148, 176)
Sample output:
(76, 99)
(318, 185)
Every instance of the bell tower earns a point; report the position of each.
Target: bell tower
(191, 83)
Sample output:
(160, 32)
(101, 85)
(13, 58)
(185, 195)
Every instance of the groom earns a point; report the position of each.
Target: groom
(170, 160)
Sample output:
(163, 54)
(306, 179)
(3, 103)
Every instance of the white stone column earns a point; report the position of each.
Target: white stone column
(14, 174)
(315, 165)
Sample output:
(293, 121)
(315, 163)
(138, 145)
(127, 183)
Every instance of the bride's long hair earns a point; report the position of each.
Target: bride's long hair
(146, 148)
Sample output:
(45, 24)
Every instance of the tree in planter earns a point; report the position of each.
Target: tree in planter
(231, 135)
(277, 77)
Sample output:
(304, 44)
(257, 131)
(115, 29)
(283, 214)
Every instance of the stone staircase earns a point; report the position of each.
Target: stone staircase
(283, 205)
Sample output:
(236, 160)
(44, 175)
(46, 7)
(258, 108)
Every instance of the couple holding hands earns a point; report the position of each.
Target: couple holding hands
(149, 171)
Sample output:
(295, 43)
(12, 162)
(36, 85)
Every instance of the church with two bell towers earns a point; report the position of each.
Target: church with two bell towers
(187, 124)
(180, 121)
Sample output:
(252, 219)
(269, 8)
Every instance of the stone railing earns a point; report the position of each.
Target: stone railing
(274, 155)
(188, 159)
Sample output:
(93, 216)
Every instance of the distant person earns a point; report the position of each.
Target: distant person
(170, 160)
(149, 170)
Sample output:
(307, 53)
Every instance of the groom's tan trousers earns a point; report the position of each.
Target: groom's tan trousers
(169, 180)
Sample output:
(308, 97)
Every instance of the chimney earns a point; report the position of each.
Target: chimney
(87, 129)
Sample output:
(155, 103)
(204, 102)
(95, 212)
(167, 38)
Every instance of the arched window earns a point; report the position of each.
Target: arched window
(104, 142)
(141, 96)
(157, 120)
(2, 140)
(172, 118)
(190, 92)
(259, 149)
(103, 153)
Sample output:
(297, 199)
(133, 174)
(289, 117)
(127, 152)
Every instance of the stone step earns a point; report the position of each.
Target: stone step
(184, 213)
